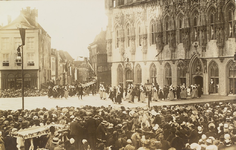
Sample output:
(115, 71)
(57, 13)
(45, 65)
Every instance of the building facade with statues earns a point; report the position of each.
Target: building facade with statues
(173, 42)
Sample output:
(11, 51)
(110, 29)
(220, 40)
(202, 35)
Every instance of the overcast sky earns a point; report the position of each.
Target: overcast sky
(72, 24)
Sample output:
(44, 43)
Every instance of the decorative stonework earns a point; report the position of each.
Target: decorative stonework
(144, 43)
(109, 47)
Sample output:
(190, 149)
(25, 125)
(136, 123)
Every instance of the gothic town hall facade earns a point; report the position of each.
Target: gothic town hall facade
(173, 42)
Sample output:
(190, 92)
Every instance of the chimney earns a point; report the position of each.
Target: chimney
(34, 16)
(9, 19)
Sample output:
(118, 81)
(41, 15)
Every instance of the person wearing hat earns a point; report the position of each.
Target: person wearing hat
(135, 137)
(76, 131)
(101, 131)
(10, 141)
(129, 145)
(118, 94)
(70, 144)
(2, 145)
(91, 131)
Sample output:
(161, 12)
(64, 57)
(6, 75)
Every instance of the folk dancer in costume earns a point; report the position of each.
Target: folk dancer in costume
(80, 92)
(211, 87)
(104, 94)
(183, 93)
(155, 94)
(119, 94)
(101, 91)
(171, 93)
(142, 93)
(128, 92)
(111, 94)
(132, 93)
(161, 94)
(66, 93)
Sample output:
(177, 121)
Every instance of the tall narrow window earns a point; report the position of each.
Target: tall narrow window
(140, 36)
(6, 59)
(5, 43)
(30, 59)
(153, 34)
(167, 27)
(212, 27)
(128, 35)
(168, 75)
(180, 30)
(195, 24)
(153, 73)
(30, 43)
(230, 15)
(117, 39)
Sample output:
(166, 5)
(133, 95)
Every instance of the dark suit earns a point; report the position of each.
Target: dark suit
(91, 130)
(76, 132)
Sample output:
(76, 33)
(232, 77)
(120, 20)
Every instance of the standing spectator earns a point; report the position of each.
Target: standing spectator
(166, 91)
(129, 145)
(80, 92)
(2, 145)
(199, 89)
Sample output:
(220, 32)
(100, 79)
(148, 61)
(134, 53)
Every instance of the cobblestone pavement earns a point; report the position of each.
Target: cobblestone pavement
(44, 101)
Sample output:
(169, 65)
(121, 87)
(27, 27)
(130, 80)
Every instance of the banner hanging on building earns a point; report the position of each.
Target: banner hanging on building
(22, 34)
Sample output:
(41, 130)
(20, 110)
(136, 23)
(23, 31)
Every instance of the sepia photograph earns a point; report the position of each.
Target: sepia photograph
(118, 75)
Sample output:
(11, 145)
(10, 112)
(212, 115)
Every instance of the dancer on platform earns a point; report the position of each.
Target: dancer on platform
(119, 94)
(142, 93)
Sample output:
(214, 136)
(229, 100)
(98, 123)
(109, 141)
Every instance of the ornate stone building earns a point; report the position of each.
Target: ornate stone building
(173, 42)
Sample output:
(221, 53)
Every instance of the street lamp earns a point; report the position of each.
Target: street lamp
(21, 55)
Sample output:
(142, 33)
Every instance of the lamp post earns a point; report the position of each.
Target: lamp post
(22, 34)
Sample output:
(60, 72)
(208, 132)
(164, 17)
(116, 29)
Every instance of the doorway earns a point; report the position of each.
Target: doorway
(198, 80)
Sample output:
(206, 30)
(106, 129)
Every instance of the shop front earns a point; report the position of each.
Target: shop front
(13, 79)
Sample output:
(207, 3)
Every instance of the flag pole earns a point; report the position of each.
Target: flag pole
(22, 71)
(22, 34)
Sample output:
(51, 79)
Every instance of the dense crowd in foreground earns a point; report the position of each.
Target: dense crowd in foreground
(208, 126)
(28, 92)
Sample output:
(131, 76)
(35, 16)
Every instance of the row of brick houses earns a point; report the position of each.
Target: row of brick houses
(41, 62)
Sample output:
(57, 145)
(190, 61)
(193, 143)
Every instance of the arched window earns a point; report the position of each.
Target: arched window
(168, 74)
(128, 35)
(195, 28)
(138, 74)
(214, 76)
(153, 32)
(120, 75)
(153, 73)
(230, 21)
(211, 20)
(232, 78)
(117, 38)
(167, 28)
(139, 35)
(129, 75)
(180, 29)
(181, 72)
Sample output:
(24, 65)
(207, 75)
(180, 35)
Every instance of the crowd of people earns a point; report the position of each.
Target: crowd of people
(154, 92)
(60, 91)
(28, 92)
(202, 126)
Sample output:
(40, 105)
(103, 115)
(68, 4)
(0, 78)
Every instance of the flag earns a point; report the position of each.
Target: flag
(22, 34)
